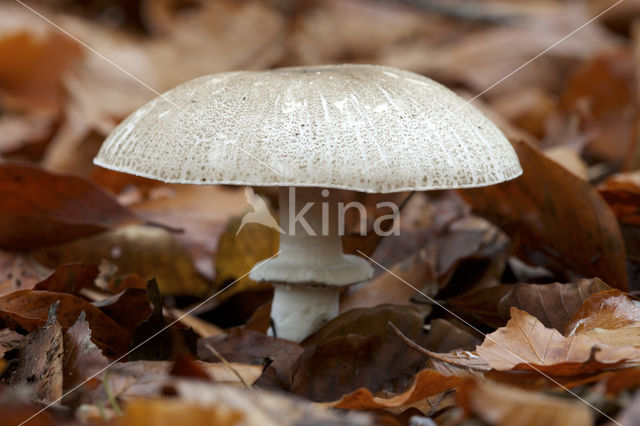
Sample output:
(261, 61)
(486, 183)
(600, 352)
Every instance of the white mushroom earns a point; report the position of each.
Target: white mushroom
(359, 127)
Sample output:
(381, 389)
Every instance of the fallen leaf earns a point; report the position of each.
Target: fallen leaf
(418, 270)
(169, 411)
(356, 350)
(19, 272)
(29, 308)
(444, 336)
(82, 358)
(200, 403)
(148, 251)
(40, 361)
(128, 308)
(552, 304)
(201, 212)
(38, 208)
(253, 347)
(556, 217)
(33, 69)
(600, 96)
(9, 340)
(609, 309)
(237, 254)
(622, 192)
(69, 278)
(425, 384)
(525, 344)
(507, 406)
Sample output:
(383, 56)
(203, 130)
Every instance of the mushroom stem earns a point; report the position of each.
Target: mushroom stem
(299, 310)
(311, 266)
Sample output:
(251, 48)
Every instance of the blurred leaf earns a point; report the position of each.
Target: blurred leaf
(600, 96)
(70, 278)
(418, 270)
(525, 344)
(128, 308)
(237, 254)
(9, 340)
(148, 251)
(508, 406)
(622, 192)
(199, 403)
(557, 218)
(33, 69)
(552, 304)
(19, 272)
(38, 208)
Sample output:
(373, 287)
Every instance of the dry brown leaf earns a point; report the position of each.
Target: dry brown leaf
(38, 208)
(82, 358)
(607, 310)
(426, 383)
(556, 216)
(135, 379)
(148, 251)
(29, 309)
(9, 340)
(553, 304)
(508, 406)
(525, 344)
(40, 361)
(356, 350)
(622, 192)
(388, 288)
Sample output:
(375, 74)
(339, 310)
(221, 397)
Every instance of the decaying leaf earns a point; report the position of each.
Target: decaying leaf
(506, 406)
(426, 383)
(19, 272)
(553, 304)
(70, 278)
(556, 215)
(238, 252)
(252, 347)
(525, 344)
(355, 350)
(40, 361)
(82, 358)
(9, 340)
(149, 251)
(38, 208)
(29, 309)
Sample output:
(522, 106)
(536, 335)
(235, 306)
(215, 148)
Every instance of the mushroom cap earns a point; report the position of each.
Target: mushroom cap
(360, 127)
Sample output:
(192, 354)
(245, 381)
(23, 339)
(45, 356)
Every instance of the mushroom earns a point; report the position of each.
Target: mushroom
(307, 130)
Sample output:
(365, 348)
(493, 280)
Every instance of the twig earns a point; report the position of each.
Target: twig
(227, 364)
(433, 355)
